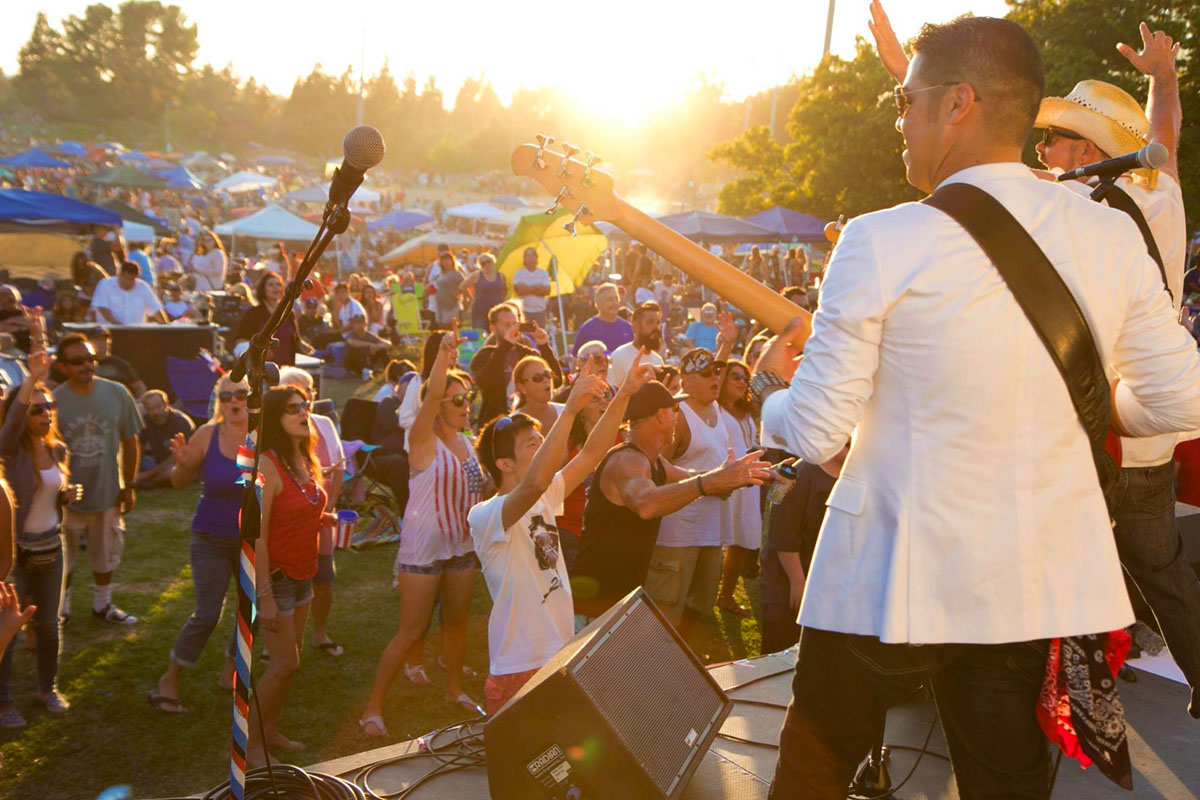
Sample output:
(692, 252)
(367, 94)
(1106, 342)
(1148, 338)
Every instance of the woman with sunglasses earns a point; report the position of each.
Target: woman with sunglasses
(737, 415)
(215, 541)
(534, 382)
(436, 555)
(285, 559)
(35, 461)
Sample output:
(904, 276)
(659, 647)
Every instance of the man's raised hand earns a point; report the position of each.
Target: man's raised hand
(1157, 56)
(887, 44)
(639, 374)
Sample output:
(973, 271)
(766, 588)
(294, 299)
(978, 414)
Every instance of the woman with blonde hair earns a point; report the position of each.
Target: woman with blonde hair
(534, 382)
(209, 262)
(211, 451)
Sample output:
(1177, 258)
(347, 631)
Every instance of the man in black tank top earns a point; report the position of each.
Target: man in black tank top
(633, 488)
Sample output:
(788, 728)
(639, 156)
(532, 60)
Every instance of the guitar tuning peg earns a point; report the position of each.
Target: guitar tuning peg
(592, 160)
(569, 226)
(543, 142)
(563, 194)
(568, 151)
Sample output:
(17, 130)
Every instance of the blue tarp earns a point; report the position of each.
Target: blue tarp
(72, 148)
(34, 159)
(704, 226)
(399, 220)
(792, 226)
(41, 211)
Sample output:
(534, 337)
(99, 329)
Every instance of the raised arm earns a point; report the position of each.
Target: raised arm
(189, 454)
(627, 478)
(728, 336)
(1156, 60)
(887, 44)
(605, 433)
(550, 454)
(421, 444)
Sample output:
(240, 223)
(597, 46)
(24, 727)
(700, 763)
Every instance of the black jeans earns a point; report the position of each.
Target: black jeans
(986, 696)
(1151, 552)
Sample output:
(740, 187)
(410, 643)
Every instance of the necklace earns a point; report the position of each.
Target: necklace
(312, 499)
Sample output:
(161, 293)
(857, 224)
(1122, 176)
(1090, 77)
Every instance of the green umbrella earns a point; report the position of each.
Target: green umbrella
(126, 176)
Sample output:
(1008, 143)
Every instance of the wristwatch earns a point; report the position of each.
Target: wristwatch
(763, 384)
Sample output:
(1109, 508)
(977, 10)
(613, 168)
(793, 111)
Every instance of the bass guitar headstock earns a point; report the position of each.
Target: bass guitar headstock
(575, 185)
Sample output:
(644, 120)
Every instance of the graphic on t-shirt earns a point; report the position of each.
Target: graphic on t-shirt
(87, 436)
(545, 547)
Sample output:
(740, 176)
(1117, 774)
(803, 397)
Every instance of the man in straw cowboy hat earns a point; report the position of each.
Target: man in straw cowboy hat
(1098, 120)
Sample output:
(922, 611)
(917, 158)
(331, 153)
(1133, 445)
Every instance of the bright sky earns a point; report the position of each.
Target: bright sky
(623, 57)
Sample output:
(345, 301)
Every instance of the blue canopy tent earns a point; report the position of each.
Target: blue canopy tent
(70, 148)
(792, 226)
(135, 156)
(181, 178)
(704, 226)
(21, 210)
(400, 220)
(34, 159)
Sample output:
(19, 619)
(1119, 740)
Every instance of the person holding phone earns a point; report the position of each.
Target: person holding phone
(493, 365)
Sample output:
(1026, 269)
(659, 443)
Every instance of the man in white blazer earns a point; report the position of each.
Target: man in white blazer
(968, 517)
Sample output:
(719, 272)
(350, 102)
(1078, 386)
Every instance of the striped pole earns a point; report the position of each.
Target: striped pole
(247, 461)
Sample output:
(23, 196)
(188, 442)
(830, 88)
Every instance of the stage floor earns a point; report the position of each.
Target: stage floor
(1164, 743)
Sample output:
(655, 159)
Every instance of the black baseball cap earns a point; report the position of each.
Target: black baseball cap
(650, 399)
(698, 359)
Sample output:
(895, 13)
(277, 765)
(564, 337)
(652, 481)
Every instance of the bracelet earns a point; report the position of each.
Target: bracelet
(700, 487)
(763, 383)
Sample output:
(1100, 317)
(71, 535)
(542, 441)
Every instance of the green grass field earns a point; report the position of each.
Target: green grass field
(113, 736)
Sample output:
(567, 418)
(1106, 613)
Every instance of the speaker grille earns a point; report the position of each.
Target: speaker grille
(658, 702)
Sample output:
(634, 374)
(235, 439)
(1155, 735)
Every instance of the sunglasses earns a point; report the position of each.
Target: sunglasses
(79, 361)
(461, 400)
(292, 409)
(598, 358)
(240, 395)
(903, 97)
(1050, 134)
(540, 377)
(37, 409)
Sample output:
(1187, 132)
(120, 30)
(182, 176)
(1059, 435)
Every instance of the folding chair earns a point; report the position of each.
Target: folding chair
(374, 501)
(192, 382)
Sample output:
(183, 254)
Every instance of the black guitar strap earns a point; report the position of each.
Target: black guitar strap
(1119, 199)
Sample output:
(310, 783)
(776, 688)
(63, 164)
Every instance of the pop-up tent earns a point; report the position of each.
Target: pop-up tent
(319, 193)
(273, 222)
(130, 214)
(704, 226)
(245, 181)
(400, 220)
(421, 250)
(181, 178)
(792, 226)
(34, 159)
(77, 149)
(21, 210)
(475, 211)
(126, 176)
(137, 232)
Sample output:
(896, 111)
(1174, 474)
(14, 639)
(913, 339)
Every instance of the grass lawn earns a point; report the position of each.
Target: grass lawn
(113, 736)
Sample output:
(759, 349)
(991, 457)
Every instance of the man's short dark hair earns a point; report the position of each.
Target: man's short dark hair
(645, 308)
(497, 310)
(131, 267)
(1000, 61)
(68, 341)
(495, 445)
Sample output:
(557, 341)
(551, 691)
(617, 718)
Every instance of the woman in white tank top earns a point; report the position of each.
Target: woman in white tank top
(706, 521)
(436, 554)
(746, 517)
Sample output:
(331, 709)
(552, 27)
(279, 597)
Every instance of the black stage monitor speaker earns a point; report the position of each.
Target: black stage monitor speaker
(625, 711)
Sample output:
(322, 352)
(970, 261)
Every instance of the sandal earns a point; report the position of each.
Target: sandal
(466, 671)
(167, 705)
(330, 648)
(376, 721)
(466, 702)
(417, 675)
(731, 605)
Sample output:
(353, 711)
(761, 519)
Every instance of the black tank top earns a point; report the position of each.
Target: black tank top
(615, 546)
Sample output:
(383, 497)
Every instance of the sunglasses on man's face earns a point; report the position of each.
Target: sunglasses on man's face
(294, 408)
(79, 361)
(902, 96)
(460, 400)
(540, 377)
(597, 358)
(240, 395)
(37, 409)
(1050, 134)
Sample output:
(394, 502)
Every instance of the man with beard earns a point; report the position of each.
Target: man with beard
(647, 335)
(632, 489)
(162, 423)
(741, 425)
(685, 567)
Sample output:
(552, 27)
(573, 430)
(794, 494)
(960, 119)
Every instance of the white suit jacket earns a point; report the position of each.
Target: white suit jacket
(968, 509)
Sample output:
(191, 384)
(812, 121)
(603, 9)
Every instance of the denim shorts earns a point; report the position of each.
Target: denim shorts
(326, 571)
(289, 593)
(465, 561)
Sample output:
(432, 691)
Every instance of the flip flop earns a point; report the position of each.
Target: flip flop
(167, 705)
(377, 721)
(330, 648)
(466, 671)
(466, 702)
(417, 675)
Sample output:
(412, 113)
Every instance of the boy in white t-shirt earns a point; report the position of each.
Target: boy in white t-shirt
(515, 535)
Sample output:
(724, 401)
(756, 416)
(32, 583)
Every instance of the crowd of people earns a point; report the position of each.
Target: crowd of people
(642, 452)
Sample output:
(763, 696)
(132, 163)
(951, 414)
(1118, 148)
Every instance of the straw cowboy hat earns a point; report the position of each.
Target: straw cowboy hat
(1098, 111)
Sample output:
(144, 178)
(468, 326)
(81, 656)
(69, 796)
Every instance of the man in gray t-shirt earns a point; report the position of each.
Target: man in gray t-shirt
(100, 424)
(448, 289)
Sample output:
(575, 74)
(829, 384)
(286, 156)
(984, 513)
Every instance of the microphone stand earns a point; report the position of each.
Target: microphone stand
(261, 373)
(1100, 192)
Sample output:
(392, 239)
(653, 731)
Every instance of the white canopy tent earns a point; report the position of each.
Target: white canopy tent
(476, 211)
(319, 193)
(245, 181)
(137, 232)
(272, 222)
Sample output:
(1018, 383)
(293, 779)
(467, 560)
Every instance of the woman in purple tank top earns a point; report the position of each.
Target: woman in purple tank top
(212, 451)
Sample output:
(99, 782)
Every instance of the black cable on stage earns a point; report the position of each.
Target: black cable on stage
(468, 753)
